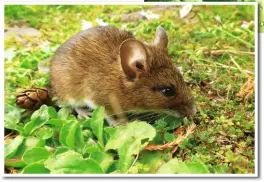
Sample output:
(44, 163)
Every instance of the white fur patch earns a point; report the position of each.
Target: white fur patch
(86, 102)
(89, 103)
(72, 102)
(180, 69)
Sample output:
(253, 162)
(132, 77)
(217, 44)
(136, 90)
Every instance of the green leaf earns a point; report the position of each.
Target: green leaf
(23, 80)
(169, 137)
(56, 122)
(153, 160)
(79, 139)
(32, 125)
(61, 150)
(38, 119)
(97, 123)
(44, 133)
(126, 152)
(41, 114)
(168, 122)
(105, 160)
(129, 140)
(64, 113)
(35, 155)
(71, 136)
(197, 167)
(35, 168)
(52, 112)
(109, 131)
(12, 146)
(114, 168)
(12, 114)
(175, 166)
(29, 142)
(12, 117)
(72, 117)
(136, 131)
(70, 139)
(160, 124)
(91, 147)
(67, 132)
(71, 162)
(220, 169)
(25, 64)
(87, 123)
(42, 82)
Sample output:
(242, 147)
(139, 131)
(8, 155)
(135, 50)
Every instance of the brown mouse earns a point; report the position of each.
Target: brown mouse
(102, 65)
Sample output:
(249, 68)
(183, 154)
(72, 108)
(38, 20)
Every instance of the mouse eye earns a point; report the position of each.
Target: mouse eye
(168, 91)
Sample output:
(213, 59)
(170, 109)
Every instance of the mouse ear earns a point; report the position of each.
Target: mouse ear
(161, 39)
(133, 56)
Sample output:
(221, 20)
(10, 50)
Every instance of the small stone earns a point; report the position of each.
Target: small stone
(22, 31)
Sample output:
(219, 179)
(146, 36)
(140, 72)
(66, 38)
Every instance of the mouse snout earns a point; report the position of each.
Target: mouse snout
(190, 110)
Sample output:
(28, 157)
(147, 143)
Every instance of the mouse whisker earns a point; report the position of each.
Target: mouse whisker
(147, 116)
(164, 117)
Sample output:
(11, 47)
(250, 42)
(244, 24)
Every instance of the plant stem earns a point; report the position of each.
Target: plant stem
(235, 37)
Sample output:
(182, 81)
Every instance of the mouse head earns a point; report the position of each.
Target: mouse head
(153, 82)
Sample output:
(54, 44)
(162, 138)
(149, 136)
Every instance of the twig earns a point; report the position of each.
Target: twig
(237, 65)
(229, 67)
(9, 136)
(174, 149)
(13, 160)
(201, 20)
(134, 161)
(180, 138)
(221, 52)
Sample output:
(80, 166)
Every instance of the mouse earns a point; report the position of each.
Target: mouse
(107, 66)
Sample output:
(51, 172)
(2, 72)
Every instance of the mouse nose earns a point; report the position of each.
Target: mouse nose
(191, 110)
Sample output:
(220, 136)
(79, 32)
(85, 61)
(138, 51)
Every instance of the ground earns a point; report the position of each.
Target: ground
(214, 46)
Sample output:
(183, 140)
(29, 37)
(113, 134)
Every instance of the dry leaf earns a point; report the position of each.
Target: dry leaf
(247, 89)
(12, 170)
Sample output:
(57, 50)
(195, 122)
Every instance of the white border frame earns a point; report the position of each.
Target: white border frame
(118, 2)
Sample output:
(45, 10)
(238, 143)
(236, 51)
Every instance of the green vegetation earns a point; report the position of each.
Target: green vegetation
(261, 17)
(213, 45)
